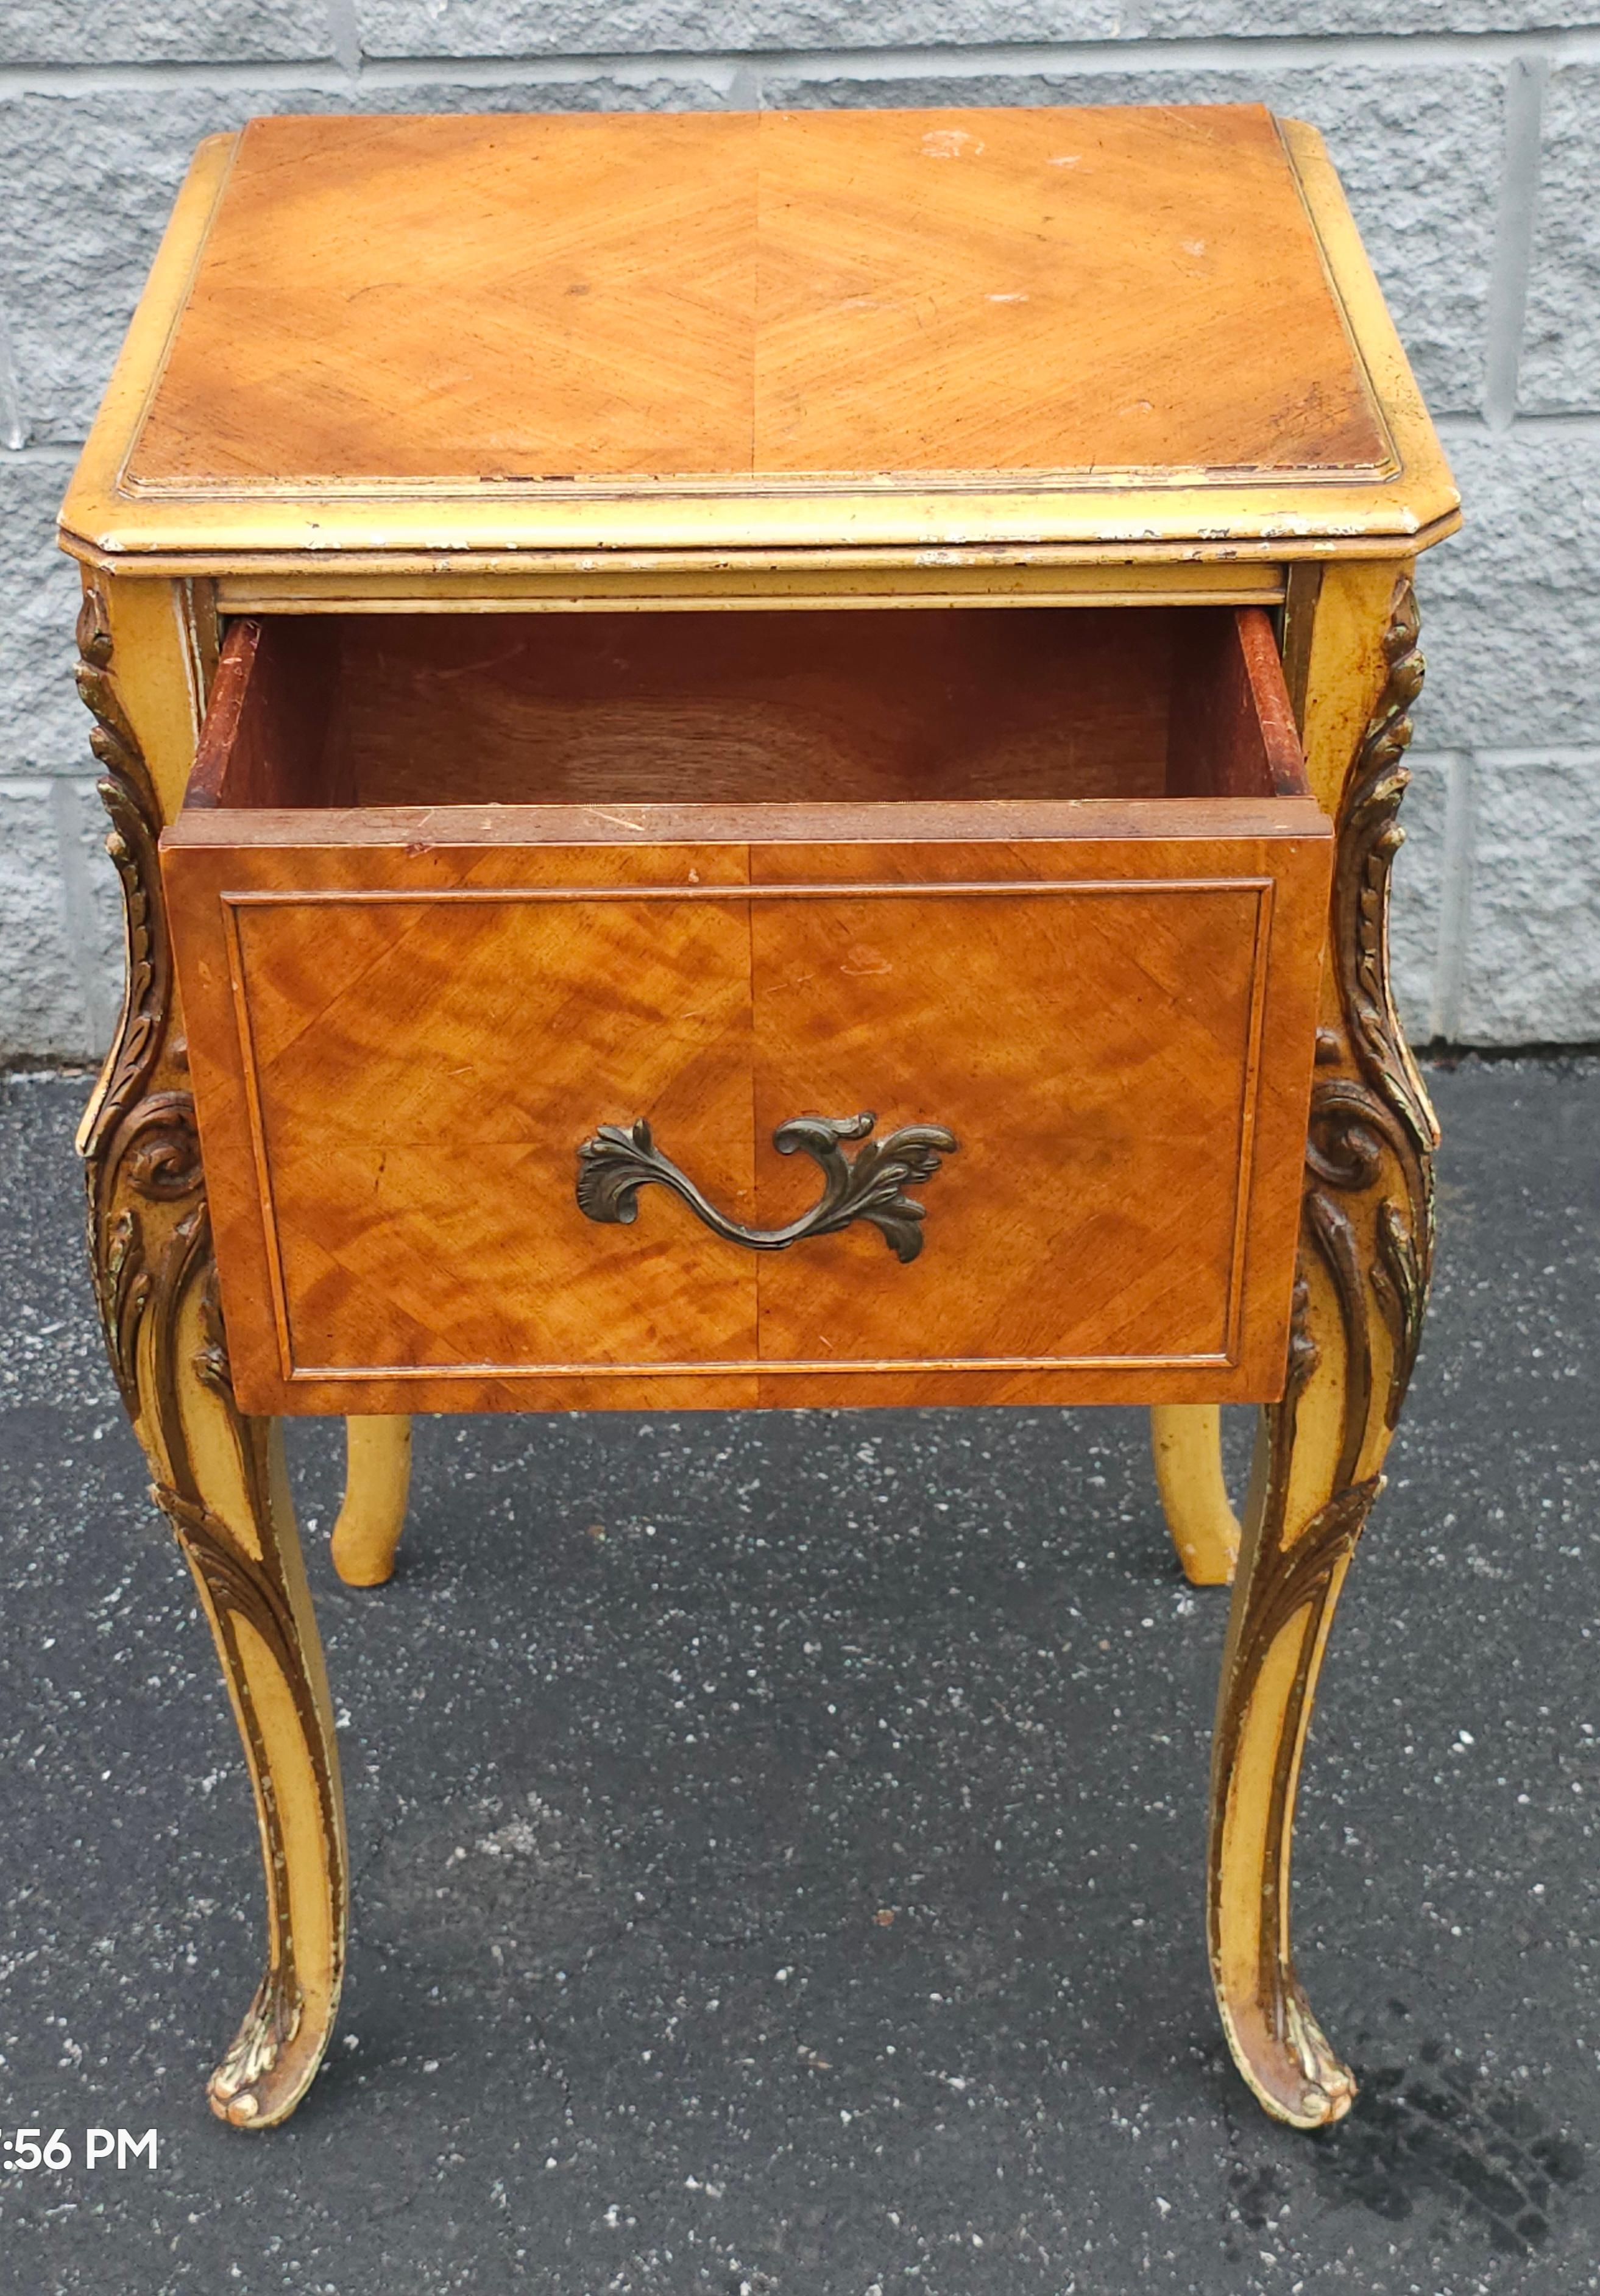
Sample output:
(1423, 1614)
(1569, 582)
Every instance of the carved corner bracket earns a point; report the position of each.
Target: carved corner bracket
(1369, 1183)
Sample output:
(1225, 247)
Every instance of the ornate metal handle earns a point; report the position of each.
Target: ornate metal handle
(615, 1164)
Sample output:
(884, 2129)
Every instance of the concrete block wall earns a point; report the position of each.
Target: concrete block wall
(1468, 134)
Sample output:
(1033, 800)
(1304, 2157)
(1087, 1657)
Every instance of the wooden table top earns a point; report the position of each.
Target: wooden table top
(849, 329)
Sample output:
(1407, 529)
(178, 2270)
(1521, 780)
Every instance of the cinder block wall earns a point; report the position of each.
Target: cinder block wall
(1468, 133)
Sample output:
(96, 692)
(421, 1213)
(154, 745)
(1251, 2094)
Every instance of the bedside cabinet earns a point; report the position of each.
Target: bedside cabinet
(754, 761)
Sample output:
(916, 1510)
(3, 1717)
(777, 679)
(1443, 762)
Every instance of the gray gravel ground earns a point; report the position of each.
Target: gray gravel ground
(778, 1840)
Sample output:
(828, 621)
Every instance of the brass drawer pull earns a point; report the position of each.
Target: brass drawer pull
(615, 1164)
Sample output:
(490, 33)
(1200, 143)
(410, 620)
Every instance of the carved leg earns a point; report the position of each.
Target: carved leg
(1185, 1439)
(1365, 1249)
(217, 1474)
(377, 1482)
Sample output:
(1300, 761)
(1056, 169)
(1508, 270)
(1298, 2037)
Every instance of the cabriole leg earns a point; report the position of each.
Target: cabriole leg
(1365, 1256)
(377, 1483)
(1185, 1441)
(217, 1474)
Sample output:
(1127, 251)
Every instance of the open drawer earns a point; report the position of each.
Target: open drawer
(524, 956)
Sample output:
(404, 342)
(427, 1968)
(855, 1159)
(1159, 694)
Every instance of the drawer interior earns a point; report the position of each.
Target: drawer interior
(809, 707)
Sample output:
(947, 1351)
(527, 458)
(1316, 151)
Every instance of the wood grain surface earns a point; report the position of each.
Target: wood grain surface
(404, 1019)
(394, 1078)
(584, 347)
(648, 295)
(1231, 725)
(265, 740)
(402, 1084)
(814, 707)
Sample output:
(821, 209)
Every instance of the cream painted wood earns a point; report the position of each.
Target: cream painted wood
(366, 1536)
(1185, 1440)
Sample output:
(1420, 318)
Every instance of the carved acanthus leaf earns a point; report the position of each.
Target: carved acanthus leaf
(1372, 1127)
(1369, 837)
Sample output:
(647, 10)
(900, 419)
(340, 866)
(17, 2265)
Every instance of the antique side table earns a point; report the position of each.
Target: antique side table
(620, 646)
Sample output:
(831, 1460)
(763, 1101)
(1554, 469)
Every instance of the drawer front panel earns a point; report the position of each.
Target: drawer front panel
(399, 1055)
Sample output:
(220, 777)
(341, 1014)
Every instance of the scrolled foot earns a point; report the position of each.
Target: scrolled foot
(1288, 2063)
(273, 2060)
